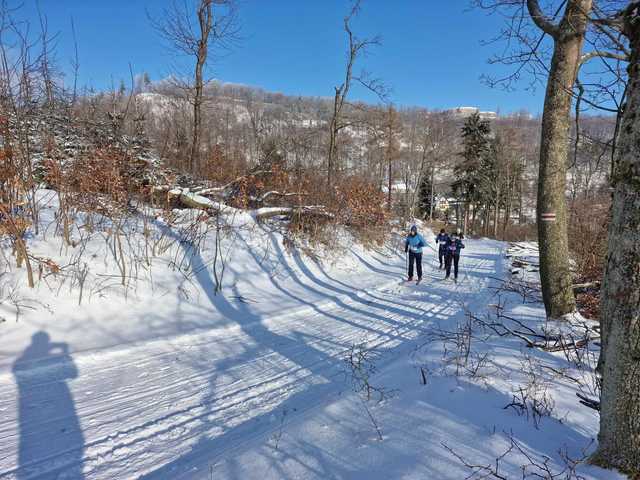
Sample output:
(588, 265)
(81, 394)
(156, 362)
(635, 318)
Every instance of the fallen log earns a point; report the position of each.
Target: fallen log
(199, 202)
(193, 200)
(262, 198)
(269, 212)
(586, 287)
(517, 262)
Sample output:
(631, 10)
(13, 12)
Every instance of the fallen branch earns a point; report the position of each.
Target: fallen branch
(262, 198)
(588, 402)
(269, 212)
(586, 287)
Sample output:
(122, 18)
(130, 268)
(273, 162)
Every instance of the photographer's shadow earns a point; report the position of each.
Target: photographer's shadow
(51, 442)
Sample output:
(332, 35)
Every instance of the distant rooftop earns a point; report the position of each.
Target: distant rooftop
(464, 112)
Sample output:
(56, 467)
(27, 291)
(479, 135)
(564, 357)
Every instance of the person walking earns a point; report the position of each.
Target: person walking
(441, 241)
(413, 245)
(453, 248)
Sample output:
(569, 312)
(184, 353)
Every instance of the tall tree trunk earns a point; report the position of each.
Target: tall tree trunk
(619, 364)
(555, 273)
(487, 220)
(195, 139)
(473, 217)
(433, 194)
(333, 133)
(496, 213)
(506, 218)
(465, 222)
(389, 177)
(205, 21)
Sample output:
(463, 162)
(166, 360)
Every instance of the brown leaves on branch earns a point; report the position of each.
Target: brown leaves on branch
(358, 203)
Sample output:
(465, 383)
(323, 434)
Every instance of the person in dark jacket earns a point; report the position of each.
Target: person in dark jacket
(413, 244)
(454, 245)
(441, 241)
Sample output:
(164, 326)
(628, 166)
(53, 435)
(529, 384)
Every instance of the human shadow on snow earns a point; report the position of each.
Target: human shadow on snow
(48, 421)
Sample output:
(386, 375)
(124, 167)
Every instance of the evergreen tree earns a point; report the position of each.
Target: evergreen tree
(424, 197)
(471, 171)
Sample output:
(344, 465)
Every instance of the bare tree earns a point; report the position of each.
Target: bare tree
(357, 48)
(619, 438)
(216, 26)
(391, 149)
(579, 22)
(568, 38)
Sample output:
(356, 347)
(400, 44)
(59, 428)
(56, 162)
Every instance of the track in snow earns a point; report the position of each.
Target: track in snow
(158, 409)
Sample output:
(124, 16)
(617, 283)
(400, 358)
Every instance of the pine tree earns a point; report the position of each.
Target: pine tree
(471, 171)
(425, 197)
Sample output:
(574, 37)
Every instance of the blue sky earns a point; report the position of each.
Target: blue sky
(431, 54)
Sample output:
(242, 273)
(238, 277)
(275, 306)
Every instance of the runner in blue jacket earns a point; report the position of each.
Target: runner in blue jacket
(441, 241)
(413, 244)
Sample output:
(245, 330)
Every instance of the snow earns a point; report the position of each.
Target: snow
(395, 187)
(168, 380)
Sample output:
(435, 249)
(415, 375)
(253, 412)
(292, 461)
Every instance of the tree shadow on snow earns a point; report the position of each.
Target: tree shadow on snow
(313, 371)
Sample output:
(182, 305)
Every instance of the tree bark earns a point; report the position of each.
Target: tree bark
(555, 273)
(389, 159)
(496, 213)
(333, 134)
(433, 186)
(205, 21)
(619, 363)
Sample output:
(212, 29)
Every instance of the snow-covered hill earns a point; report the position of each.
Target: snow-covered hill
(163, 378)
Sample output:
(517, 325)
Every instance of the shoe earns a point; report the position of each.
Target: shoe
(410, 279)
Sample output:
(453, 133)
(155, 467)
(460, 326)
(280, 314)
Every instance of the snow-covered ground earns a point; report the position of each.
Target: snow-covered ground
(167, 380)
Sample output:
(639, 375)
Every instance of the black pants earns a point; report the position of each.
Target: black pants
(417, 258)
(452, 258)
(442, 253)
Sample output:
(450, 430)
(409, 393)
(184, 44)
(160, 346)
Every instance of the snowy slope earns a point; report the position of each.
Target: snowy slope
(171, 381)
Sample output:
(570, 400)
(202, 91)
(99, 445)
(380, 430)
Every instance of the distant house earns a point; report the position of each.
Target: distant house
(441, 204)
(465, 112)
(396, 188)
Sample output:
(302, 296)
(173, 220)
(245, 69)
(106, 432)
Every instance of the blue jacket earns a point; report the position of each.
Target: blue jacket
(454, 246)
(442, 240)
(414, 243)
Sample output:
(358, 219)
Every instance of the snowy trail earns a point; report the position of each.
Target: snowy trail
(169, 407)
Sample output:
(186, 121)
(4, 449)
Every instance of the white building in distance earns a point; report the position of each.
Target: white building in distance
(464, 112)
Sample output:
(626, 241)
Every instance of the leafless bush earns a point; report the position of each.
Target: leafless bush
(520, 232)
(193, 234)
(528, 290)
(532, 466)
(464, 350)
(532, 400)
(11, 300)
(277, 436)
(589, 221)
(359, 368)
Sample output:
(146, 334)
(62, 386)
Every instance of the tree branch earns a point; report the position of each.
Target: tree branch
(602, 54)
(539, 18)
